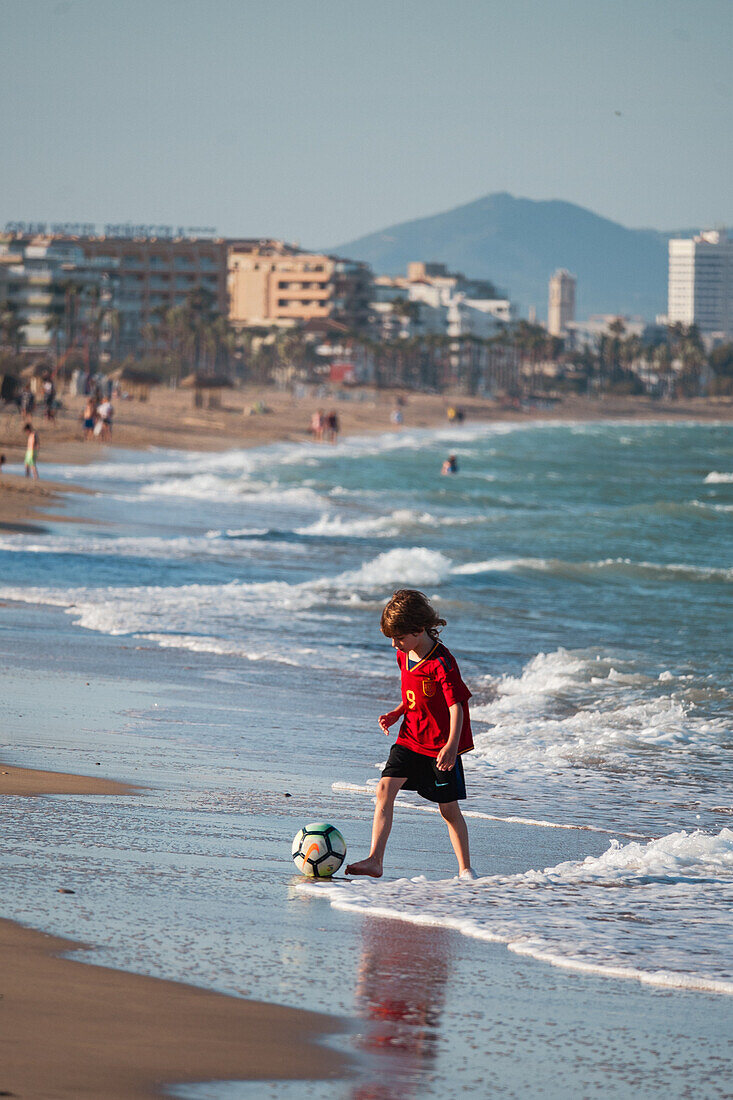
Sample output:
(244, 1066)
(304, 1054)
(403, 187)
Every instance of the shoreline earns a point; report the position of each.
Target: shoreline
(117, 1035)
(170, 420)
(87, 1019)
(31, 783)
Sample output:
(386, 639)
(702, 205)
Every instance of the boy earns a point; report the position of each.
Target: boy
(435, 729)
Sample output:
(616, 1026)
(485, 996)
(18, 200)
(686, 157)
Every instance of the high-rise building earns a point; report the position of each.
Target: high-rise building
(701, 283)
(561, 309)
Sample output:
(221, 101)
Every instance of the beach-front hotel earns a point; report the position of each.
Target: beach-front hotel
(141, 276)
(273, 283)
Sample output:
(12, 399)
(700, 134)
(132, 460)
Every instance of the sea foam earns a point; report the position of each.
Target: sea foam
(659, 913)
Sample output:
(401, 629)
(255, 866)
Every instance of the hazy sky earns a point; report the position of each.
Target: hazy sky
(321, 120)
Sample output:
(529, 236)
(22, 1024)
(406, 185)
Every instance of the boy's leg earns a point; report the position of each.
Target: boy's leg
(458, 832)
(387, 791)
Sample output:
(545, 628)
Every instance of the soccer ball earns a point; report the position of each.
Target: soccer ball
(318, 850)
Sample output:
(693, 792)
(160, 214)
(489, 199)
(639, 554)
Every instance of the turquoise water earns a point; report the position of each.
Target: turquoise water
(585, 573)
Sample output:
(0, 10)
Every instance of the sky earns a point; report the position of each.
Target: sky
(318, 121)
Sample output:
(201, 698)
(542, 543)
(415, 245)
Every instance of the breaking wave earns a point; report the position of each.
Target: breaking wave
(659, 913)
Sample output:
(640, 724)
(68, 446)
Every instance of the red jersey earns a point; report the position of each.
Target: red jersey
(429, 688)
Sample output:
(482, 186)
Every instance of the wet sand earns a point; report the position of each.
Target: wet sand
(25, 504)
(71, 1029)
(29, 782)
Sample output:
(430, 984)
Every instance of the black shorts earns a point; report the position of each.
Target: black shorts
(424, 776)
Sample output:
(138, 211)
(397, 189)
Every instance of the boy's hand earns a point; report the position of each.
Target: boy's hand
(389, 719)
(446, 758)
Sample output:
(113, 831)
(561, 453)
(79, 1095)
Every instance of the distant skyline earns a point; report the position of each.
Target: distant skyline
(326, 121)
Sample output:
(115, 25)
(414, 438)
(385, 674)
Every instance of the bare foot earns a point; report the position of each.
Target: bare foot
(369, 866)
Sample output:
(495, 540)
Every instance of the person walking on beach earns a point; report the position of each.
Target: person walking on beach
(434, 732)
(317, 426)
(49, 399)
(332, 426)
(87, 418)
(27, 401)
(31, 452)
(104, 412)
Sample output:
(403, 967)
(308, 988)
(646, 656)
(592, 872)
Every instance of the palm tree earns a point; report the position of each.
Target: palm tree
(72, 290)
(530, 340)
(111, 319)
(692, 354)
(11, 325)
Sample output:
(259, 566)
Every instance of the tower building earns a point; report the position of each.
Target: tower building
(561, 308)
(701, 283)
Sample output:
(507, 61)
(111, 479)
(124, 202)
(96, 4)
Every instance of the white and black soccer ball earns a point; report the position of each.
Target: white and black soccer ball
(318, 850)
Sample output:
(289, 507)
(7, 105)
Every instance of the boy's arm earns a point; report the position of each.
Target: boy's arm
(446, 758)
(389, 719)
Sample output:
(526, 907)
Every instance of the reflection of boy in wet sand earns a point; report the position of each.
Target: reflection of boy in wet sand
(435, 729)
(401, 1003)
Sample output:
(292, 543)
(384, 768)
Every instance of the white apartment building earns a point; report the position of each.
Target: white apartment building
(561, 306)
(589, 332)
(701, 283)
(443, 303)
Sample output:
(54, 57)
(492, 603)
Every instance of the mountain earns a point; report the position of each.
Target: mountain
(518, 243)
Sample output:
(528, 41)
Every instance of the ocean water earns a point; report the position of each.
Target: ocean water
(586, 574)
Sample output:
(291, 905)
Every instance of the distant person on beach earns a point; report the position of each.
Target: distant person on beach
(87, 418)
(104, 412)
(49, 399)
(434, 732)
(31, 452)
(2, 462)
(317, 426)
(396, 417)
(450, 466)
(27, 401)
(332, 427)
